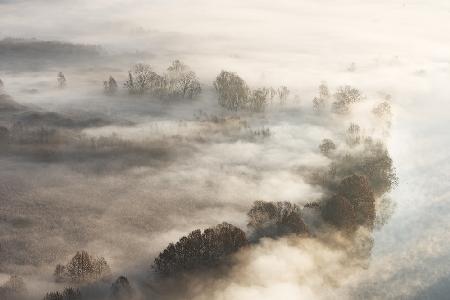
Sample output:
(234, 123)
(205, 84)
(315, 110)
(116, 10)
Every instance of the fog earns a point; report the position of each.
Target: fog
(124, 175)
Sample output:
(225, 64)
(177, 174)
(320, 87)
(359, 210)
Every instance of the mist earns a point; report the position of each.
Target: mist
(87, 164)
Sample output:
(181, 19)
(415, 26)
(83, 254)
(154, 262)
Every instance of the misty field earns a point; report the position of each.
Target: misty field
(224, 150)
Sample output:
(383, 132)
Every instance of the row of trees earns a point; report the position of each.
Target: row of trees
(179, 81)
(66, 294)
(214, 245)
(120, 290)
(344, 97)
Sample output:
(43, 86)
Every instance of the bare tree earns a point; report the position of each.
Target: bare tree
(182, 82)
(142, 80)
(187, 85)
(345, 96)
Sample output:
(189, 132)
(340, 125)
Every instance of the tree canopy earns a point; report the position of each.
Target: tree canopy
(199, 250)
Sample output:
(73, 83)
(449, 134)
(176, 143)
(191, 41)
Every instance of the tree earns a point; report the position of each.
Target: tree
(357, 190)
(258, 100)
(182, 82)
(382, 110)
(200, 250)
(60, 273)
(233, 91)
(324, 92)
(345, 96)
(101, 269)
(339, 212)
(319, 103)
(110, 86)
(283, 93)
(142, 80)
(353, 135)
(187, 85)
(373, 161)
(353, 204)
(327, 146)
(83, 268)
(273, 219)
(271, 93)
(121, 289)
(62, 82)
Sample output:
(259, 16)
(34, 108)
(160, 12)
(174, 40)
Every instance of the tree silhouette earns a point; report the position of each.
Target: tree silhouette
(273, 219)
(121, 289)
(110, 86)
(83, 268)
(200, 250)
